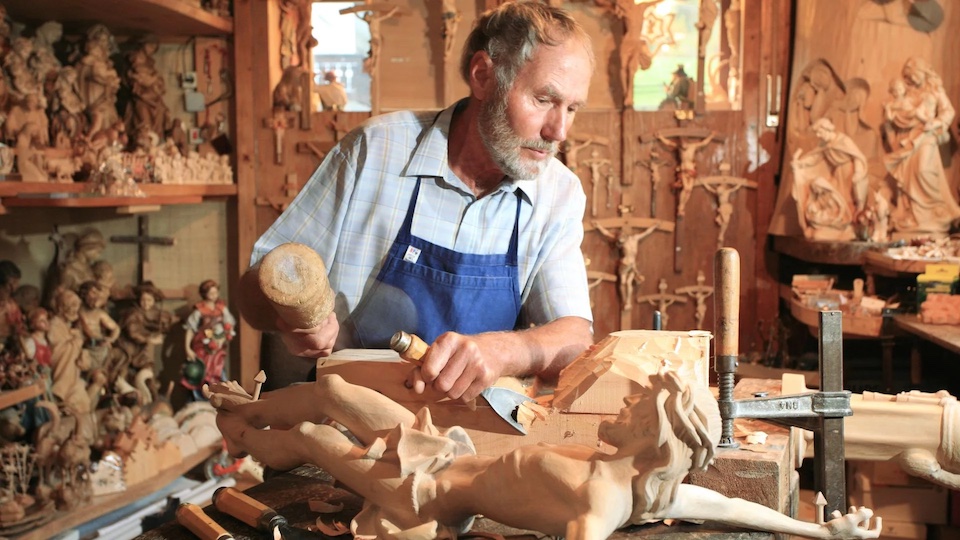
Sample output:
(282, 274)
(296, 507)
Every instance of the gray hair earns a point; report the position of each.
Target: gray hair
(511, 33)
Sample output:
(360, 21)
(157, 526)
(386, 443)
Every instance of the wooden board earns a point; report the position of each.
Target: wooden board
(164, 17)
(879, 263)
(944, 335)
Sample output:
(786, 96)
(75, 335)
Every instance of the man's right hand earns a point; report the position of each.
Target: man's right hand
(312, 342)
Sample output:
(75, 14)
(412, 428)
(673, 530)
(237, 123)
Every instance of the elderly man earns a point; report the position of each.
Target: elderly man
(460, 225)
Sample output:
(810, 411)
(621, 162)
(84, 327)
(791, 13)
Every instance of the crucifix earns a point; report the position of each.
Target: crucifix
(623, 231)
(699, 293)
(143, 240)
(597, 165)
(279, 123)
(653, 164)
(290, 189)
(686, 141)
(662, 301)
(709, 11)
(723, 187)
(576, 142)
(372, 14)
(596, 277)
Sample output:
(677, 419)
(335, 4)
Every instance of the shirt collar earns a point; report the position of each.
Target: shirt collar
(430, 157)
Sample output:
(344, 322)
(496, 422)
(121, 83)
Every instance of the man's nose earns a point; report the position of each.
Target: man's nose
(556, 125)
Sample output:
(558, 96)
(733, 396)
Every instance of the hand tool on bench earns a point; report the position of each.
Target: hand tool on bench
(503, 401)
(233, 502)
(200, 524)
(289, 282)
(820, 412)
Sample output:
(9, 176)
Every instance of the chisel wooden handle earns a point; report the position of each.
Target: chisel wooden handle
(199, 523)
(726, 275)
(238, 504)
(410, 347)
(290, 282)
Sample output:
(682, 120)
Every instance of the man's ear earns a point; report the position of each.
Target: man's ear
(482, 77)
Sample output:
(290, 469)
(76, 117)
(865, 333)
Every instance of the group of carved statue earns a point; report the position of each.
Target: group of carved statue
(93, 355)
(62, 116)
(836, 194)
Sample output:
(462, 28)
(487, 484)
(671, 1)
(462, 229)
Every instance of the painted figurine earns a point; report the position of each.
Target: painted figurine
(209, 327)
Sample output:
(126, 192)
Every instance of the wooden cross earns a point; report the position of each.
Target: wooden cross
(597, 165)
(576, 142)
(279, 123)
(653, 164)
(143, 240)
(699, 293)
(662, 301)
(723, 187)
(627, 238)
(596, 277)
(290, 189)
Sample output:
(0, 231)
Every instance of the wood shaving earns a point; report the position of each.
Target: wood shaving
(336, 528)
(323, 507)
(529, 412)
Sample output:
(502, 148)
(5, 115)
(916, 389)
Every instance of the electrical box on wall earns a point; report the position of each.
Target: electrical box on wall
(193, 101)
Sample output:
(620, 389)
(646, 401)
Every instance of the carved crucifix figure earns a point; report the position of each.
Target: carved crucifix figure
(686, 147)
(653, 164)
(576, 142)
(373, 15)
(635, 50)
(596, 277)
(724, 186)
(662, 301)
(709, 11)
(623, 232)
(699, 292)
(597, 166)
(451, 20)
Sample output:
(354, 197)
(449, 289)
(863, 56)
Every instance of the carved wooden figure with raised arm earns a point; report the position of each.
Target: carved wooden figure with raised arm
(635, 50)
(415, 478)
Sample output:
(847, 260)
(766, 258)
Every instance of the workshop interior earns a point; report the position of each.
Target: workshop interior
(731, 293)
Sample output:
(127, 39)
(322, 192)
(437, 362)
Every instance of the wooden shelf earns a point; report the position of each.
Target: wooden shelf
(160, 17)
(944, 335)
(74, 195)
(839, 253)
(880, 264)
(105, 504)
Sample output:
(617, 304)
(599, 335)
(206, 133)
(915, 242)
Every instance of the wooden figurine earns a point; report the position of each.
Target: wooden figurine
(333, 95)
(662, 300)
(732, 23)
(43, 62)
(687, 148)
(699, 293)
(143, 327)
(662, 433)
(67, 119)
(147, 111)
(597, 166)
(723, 187)
(918, 120)
(77, 267)
(830, 184)
(621, 232)
(69, 359)
(209, 327)
(11, 318)
(653, 164)
(100, 331)
(635, 49)
(99, 81)
(373, 15)
(570, 148)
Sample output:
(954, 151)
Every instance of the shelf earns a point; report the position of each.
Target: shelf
(74, 195)
(160, 17)
(878, 263)
(944, 335)
(105, 504)
(823, 252)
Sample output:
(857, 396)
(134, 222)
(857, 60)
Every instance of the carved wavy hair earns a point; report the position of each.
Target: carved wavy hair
(688, 422)
(511, 32)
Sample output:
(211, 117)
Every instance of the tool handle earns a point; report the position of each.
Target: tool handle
(200, 524)
(726, 275)
(410, 346)
(238, 504)
(290, 282)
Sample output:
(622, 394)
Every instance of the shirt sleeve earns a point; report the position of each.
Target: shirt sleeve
(559, 281)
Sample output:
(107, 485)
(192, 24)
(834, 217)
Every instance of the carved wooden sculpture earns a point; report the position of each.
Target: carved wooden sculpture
(451, 20)
(686, 148)
(621, 231)
(636, 51)
(829, 184)
(654, 163)
(699, 293)
(98, 80)
(99, 329)
(662, 300)
(918, 122)
(417, 480)
(598, 166)
(209, 327)
(147, 112)
(723, 187)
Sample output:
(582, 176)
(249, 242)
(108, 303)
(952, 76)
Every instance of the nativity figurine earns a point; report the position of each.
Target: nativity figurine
(132, 360)
(100, 331)
(416, 478)
(147, 111)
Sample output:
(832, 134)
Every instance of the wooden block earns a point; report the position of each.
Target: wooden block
(598, 380)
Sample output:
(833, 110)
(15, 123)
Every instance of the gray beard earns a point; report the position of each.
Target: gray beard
(503, 144)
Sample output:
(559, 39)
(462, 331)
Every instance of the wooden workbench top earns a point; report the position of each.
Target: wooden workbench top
(288, 493)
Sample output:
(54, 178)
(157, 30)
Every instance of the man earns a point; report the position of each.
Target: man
(461, 226)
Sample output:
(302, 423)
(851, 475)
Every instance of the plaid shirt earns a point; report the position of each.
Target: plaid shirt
(354, 203)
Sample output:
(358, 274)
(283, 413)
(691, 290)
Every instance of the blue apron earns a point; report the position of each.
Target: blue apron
(428, 289)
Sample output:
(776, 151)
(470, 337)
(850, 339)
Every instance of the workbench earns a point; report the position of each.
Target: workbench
(288, 493)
